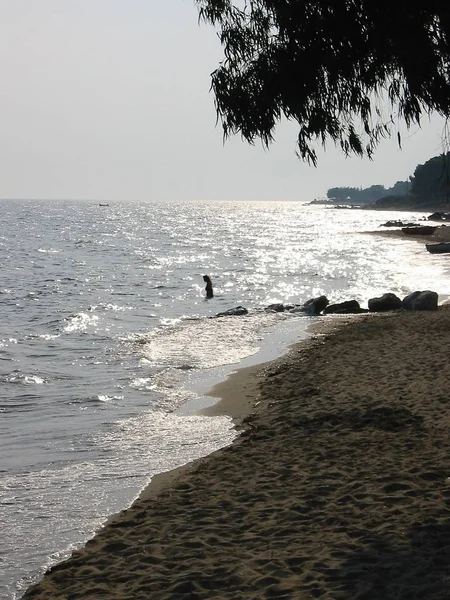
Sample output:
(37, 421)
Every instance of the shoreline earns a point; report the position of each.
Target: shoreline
(237, 396)
(244, 395)
(169, 479)
(442, 234)
(338, 486)
(234, 396)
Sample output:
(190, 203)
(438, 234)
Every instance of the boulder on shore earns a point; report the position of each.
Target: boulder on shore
(439, 216)
(316, 305)
(233, 312)
(348, 307)
(398, 224)
(385, 303)
(426, 300)
(275, 308)
(296, 308)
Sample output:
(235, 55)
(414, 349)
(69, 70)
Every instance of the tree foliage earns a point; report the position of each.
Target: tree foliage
(325, 64)
(431, 181)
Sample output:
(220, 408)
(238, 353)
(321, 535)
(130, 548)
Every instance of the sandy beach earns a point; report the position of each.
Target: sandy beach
(337, 488)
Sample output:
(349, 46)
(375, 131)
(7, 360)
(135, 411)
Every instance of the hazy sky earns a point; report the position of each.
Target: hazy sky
(109, 99)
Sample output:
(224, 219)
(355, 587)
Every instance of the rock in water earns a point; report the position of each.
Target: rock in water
(233, 312)
(275, 308)
(316, 305)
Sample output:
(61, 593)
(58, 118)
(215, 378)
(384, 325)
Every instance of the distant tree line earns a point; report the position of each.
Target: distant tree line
(368, 195)
(429, 185)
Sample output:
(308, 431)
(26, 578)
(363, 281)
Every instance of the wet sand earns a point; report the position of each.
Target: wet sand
(337, 488)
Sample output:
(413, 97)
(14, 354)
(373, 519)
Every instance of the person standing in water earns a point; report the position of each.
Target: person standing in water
(209, 287)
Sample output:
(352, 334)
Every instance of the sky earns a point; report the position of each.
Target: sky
(110, 100)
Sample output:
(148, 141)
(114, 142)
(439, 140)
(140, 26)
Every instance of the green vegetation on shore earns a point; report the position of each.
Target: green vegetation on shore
(428, 186)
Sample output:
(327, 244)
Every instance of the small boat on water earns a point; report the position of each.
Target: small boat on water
(439, 248)
(419, 230)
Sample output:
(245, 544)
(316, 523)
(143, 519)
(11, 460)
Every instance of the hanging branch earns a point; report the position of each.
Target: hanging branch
(329, 65)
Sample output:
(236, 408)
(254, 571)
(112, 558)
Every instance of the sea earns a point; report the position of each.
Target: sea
(108, 346)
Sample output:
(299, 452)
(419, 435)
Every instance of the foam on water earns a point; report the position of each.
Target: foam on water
(80, 322)
(207, 343)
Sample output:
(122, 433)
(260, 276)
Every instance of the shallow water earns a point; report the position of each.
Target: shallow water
(106, 338)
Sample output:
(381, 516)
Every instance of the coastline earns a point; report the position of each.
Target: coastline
(337, 487)
(442, 234)
(237, 396)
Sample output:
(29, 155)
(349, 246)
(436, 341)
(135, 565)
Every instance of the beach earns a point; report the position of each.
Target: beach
(104, 375)
(338, 486)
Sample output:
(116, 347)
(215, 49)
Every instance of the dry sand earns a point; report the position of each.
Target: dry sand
(337, 488)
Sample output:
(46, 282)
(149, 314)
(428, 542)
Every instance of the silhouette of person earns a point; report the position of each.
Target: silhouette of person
(209, 287)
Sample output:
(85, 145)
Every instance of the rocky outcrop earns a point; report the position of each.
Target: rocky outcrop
(316, 305)
(385, 303)
(349, 307)
(397, 224)
(233, 312)
(420, 300)
(439, 216)
(426, 300)
(297, 308)
(275, 308)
